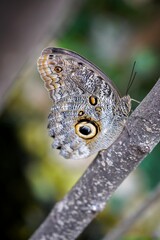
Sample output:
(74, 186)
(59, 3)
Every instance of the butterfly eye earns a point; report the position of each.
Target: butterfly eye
(58, 69)
(86, 129)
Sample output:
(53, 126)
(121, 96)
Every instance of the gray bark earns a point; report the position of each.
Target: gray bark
(111, 166)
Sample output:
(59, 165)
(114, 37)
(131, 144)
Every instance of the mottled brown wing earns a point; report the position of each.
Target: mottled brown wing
(64, 72)
(87, 113)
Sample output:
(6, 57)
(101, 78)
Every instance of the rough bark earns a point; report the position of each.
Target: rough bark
(111, 166)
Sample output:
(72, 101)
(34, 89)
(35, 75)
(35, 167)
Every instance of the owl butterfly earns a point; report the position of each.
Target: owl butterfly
(88, 113)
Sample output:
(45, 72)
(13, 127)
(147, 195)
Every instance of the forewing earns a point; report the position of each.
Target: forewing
(65, 72)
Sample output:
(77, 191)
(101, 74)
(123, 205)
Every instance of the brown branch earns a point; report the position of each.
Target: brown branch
(111, 166)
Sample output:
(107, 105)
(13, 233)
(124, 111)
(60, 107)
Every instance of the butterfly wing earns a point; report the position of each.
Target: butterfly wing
(88, 113)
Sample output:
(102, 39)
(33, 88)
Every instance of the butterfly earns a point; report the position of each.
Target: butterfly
(88, 113)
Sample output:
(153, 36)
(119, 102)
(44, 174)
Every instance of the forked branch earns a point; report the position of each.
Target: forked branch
(88, 197)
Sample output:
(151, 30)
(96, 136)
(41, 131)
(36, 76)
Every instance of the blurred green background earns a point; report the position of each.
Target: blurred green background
(112, 35)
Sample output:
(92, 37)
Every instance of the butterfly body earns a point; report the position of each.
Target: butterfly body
(88, 113)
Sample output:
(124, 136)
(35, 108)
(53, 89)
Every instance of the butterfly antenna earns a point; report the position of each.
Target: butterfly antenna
(132, 77)
(134, 100)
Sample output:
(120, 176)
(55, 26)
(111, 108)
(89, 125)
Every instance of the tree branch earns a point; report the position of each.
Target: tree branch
(111, 166)
(125, 225)
(25, 27)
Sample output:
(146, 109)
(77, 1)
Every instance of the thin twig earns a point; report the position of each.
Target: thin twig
(125, 225)
(88, 197)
